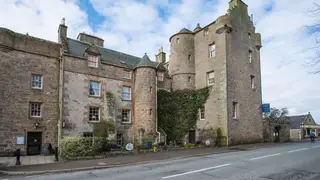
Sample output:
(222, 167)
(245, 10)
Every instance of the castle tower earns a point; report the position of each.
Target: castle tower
(145, 100)
(182, 65)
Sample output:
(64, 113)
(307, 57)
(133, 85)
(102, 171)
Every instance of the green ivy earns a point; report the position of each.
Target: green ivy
(178, 110)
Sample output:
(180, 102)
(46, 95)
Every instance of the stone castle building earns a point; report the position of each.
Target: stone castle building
(55, 89)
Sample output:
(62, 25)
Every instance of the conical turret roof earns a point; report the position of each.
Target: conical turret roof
(145, 62)
(184, 30)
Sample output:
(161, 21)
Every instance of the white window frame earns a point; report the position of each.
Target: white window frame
(210, 79)
(250, 56)
(160, 76)
(119, 139)
(92, 108)
(31, 106)
(126, 74)
(212, 50)
(95, 88)
(93, 61)
(202, 110)
(128, 111)
(126, 93)
(235, 110)
(252, 82)
(39, 79)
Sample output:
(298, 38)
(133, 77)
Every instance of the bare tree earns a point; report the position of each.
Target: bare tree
(314, 30)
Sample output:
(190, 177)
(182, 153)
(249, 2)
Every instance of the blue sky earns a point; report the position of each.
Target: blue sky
(143, 26)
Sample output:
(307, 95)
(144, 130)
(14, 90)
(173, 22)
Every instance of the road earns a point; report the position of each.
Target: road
(294, 161)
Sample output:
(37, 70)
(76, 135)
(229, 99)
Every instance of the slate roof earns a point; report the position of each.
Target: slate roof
(296, 121)
(78, 48)
(185, 30)
(146, 62)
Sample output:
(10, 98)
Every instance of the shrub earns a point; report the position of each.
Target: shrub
(188, 145)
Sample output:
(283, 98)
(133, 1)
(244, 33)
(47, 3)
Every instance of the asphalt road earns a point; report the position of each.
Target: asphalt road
(295, 161)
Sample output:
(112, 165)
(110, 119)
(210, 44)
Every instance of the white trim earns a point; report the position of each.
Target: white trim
(41, 78)
(129, 114)
(204, 113)
(30, 109)
(99, 114)
(99, 83)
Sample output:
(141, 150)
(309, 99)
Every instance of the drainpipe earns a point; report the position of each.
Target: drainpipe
(156, 111)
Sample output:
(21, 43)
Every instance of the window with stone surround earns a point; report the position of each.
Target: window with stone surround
(160, 76)
(189, 57)
(95, 88)
(93, 61)
(250, 56)
(94, 114)
(252, 82)
(235, 110)
(210, 78)
(35, 109)
(119, 139)
(212, 50)
(126, 93)
(178, 40)
(202, 112)
(126, 74)
(189, 79)
(126, 116)
(249, 35)
(36, 81)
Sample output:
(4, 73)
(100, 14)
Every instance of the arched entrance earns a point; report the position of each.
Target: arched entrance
(276, 133)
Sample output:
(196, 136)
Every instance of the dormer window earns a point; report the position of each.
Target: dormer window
(93, 61)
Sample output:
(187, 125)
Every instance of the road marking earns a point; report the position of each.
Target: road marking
(101, 163)
(297, 150)
(265, 156)
(316, 146)
(200, 170)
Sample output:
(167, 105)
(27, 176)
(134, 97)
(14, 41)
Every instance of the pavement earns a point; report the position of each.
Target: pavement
(27, 160)
(287, 161)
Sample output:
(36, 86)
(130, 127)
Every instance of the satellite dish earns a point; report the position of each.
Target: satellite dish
(129, 147)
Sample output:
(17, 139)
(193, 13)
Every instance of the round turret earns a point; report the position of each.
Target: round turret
(145, 100)
(223, 24)
(182, 63)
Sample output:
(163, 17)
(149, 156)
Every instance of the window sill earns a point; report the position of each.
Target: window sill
(92, 96)
(93, 122)
(126, 100)
(202, 119)
(35, 118)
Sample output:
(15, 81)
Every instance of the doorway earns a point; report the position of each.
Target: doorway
(34, 143)
(192, 136)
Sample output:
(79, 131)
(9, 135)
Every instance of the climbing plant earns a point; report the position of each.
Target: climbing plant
(178, 110)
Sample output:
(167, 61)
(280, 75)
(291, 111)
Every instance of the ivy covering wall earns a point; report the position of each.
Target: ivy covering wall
(178, 111)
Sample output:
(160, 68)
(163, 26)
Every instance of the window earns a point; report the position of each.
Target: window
(150, 111)
(87, 134)
(160, 76)
(189, 79)
(206, 32)
(36, 81)
(126, 93)
(35, 109)
(189, 57)
(212, 50)
(94, 114)
(95, 88)
(150, 89)
(250, 56)
(249, 35)
(202, 113)
(178, 40)
(126, 116)
(93, 61)
(127, 74)
(235, 110)
(210, 78)
(119, 139)
(252, 82)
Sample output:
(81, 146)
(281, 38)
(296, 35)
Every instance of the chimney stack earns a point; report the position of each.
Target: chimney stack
(161, 56)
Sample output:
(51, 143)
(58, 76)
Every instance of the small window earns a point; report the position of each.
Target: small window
(126, 116)
(202, 112)
(119, 139)
(94, 114)
(126, 93)
(160, 76)
(249, 35)
(235, 110)
(93, 61)
(35, 109)
(150, 111)
(210, 78)
(206, 32)
(36, 81)
(95, 88)
(250, 56)
(189, 79)
(189, 57)
(150, 89)
(252, 82)
(212, 50)
(127, 74)
(178, 40)
(87, 134)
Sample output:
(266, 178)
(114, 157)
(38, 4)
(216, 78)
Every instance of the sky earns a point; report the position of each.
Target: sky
(143, 26)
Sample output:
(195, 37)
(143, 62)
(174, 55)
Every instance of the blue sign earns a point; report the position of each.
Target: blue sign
(265, 107)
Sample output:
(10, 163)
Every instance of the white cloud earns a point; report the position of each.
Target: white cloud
(136, 27)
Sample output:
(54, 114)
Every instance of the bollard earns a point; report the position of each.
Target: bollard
(17, 153)
(56, 154)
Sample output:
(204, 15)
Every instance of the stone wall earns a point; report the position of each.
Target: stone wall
(77, 76)
(295, 134)
(268, 130)
(17, 67)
